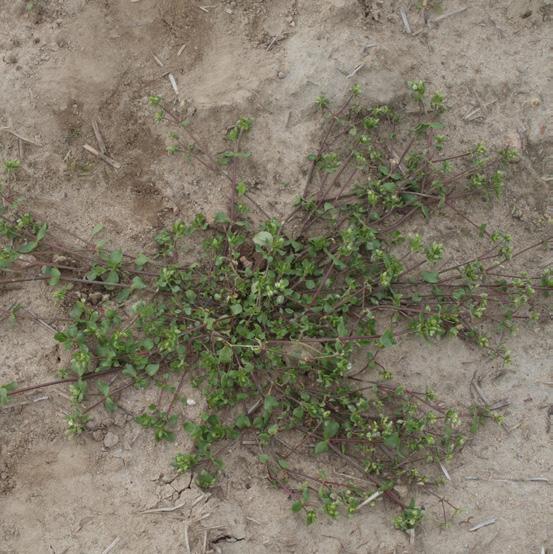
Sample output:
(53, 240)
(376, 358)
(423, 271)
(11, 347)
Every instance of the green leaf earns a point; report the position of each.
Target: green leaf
(200, 221)
(103, 387)
(42, 232)
(270, 404)
(242, 422)
(138, 283)
(205, 479)
(282, 463)
(221, 217)
(387, 339)
(233, 134)
(141, 260)
(130, 371)
(430, 276)
(225, 355)
(321, 447)
(116, 257)
(94, 273)
(111, 278)
(263, 239)
(331, 428)
(109, 404)
(151, 369)
(61, 337)
(28, 247)
(54, 274)
(4, 392)
(392, 441)
(341, 329)
(97, 228)
(459, 294)
(123, 295)
(297, 506)
(236, 309)
(148, 343)
(263, 458)
(191, 295)
(77, 310)
(190, 427)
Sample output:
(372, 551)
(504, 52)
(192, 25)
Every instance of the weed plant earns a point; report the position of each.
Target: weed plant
(281, 323)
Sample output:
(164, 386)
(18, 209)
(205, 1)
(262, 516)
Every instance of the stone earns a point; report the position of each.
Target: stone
(95, 298)
(120, 419)
(61, 41)
(110, 440)
(181, 482)
(166, 491)
(98, 435)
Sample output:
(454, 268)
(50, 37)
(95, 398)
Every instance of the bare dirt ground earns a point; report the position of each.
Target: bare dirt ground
(65, 63)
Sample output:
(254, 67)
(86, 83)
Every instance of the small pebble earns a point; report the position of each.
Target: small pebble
(61, 41)
(110, 440)
(11, 58)
(95, 298)
(512, 140)
(402, 490)
(120, 419)
(167, 479)
(165, 491)
(98, 435)
(281, 75)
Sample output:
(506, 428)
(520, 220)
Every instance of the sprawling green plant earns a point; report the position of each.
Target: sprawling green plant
(270, 318)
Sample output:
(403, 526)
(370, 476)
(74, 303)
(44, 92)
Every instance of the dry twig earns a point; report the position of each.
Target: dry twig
(99, 138)
(405, 20)
(20, 137)
(103, 157)
(490, 521)
(111, 546)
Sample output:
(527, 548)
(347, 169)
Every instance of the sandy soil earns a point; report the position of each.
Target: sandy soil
(66, 63)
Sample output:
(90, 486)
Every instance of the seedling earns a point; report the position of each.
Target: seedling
(11, 166)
